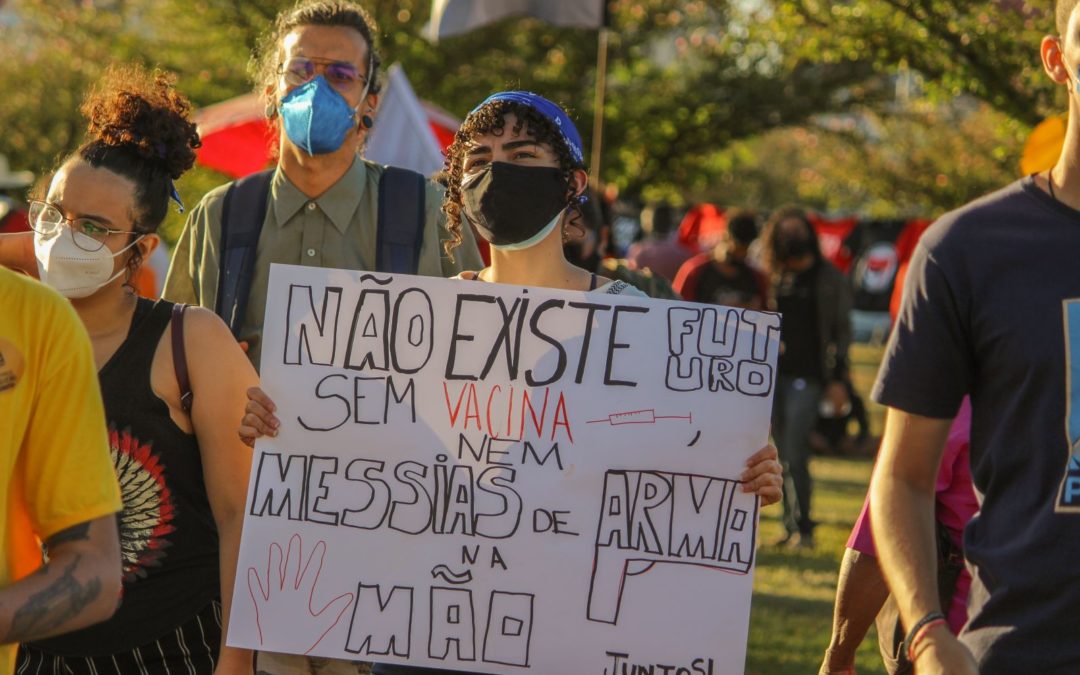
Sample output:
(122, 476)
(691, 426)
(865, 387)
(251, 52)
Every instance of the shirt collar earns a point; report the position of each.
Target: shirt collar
(339, 203)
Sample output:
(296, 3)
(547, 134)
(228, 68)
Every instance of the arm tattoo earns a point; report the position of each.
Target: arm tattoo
(80, 532)
(52, 607)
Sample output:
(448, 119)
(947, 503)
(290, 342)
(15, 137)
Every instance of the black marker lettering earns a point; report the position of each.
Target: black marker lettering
(534, 327)
(613, 345)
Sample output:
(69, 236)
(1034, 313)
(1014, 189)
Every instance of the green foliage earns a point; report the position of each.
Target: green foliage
(968, 86)
(685, 78)
(738, 101)
(916, 164)
(989, 50)
(794, 590)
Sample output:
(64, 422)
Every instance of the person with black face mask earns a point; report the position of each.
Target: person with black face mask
(515, 173)
(516, 176)
(814, 300)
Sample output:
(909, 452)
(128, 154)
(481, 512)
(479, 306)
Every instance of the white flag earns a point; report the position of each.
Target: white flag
(402, 135)
(453, 17)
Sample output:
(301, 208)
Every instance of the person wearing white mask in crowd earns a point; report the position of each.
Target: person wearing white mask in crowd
(173, 385)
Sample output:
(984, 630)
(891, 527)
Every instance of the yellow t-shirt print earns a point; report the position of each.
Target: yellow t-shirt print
(11, 365)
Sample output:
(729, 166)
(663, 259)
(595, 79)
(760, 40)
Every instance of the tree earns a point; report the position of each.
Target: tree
(686, 77)
(968, 88)
(918, 164)
(694, 85)
(987, 50)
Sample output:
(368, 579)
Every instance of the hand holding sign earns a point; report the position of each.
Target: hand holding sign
(259, 419)
(289, 585)
(513, 479)
(764, 476)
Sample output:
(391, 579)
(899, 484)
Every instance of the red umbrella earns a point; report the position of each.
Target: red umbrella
(236, 138)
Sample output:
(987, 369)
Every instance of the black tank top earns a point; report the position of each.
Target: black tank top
(168, 540)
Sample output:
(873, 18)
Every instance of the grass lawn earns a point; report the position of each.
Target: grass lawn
(791, 615)
(794, 591)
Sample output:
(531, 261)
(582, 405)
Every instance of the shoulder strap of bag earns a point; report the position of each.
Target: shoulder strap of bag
(950, 562)
(242, 219)
(401, 221)
(179, 356)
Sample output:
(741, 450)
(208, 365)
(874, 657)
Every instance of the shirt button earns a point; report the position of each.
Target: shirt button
(311, 206)
(311, 253)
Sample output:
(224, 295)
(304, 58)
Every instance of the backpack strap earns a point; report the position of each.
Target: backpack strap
(401, 221)
(179, 356)
(242, 219)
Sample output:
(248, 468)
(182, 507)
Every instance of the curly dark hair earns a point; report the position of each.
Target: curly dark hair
(139, 128)
(491, 118)
(769, 240)
(267, 58)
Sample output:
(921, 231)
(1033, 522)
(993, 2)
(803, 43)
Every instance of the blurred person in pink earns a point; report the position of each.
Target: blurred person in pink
(660, 250)
(861, 590)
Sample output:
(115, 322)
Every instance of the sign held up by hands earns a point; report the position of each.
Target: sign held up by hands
(498, 479)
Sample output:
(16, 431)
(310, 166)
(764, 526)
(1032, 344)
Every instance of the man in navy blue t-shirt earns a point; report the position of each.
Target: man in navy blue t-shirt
(992, 308)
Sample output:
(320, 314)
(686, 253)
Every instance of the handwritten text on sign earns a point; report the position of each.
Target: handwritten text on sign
(497, 479)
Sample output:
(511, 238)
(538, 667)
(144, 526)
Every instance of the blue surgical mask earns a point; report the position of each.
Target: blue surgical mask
(316, 117)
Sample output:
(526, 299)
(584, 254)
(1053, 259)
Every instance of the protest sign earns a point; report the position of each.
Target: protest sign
(500, 479)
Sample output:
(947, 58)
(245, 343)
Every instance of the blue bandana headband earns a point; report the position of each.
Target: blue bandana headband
(550, 112)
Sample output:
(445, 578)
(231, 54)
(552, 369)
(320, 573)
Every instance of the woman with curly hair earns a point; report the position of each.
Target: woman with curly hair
(516, 173)
(182, 471)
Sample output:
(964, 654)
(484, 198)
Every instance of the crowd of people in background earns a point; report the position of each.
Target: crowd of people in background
(977, 375)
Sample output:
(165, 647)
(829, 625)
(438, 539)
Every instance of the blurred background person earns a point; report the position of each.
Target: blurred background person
(861, 591)
(723, 276)
(814, 300)
(589, 246)
(659, 250)
(832, 433)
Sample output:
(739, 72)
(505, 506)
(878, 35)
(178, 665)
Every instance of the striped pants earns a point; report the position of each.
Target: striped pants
(190, 649)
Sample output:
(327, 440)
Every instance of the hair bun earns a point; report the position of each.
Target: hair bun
(144, 112)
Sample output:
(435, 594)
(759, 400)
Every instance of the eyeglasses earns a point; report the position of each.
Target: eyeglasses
(340, 74)
(48, 221)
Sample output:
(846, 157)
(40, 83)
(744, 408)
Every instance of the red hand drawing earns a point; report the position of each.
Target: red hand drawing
(289, 587)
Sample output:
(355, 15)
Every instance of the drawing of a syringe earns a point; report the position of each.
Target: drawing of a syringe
(640, 417)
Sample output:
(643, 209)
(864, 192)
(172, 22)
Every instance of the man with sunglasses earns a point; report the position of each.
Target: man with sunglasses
(319, 76)
(992, 309)
(318, 72)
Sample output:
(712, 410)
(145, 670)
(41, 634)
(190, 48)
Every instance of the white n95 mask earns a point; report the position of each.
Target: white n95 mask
(74, 271)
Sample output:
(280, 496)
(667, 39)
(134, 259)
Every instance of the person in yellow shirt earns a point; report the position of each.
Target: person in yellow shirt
(172, 380)
(57, 483)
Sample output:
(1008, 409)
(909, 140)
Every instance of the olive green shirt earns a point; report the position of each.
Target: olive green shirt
(336, 229)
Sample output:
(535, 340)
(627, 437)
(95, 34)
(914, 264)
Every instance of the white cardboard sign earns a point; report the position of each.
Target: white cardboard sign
(498, 479)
